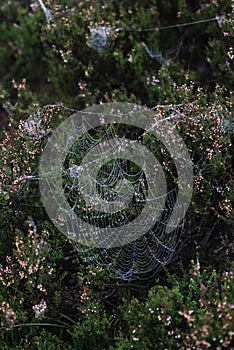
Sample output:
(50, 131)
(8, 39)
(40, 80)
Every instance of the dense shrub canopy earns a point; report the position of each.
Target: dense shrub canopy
(57, 57)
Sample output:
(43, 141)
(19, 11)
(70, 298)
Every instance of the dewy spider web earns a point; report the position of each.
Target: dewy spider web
(100, 35)
(119, 179)
(107, 182)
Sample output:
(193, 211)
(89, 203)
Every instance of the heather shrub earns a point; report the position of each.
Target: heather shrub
(193, 313)
(92, 53)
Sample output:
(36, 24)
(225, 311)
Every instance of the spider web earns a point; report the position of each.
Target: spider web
(115, 182)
